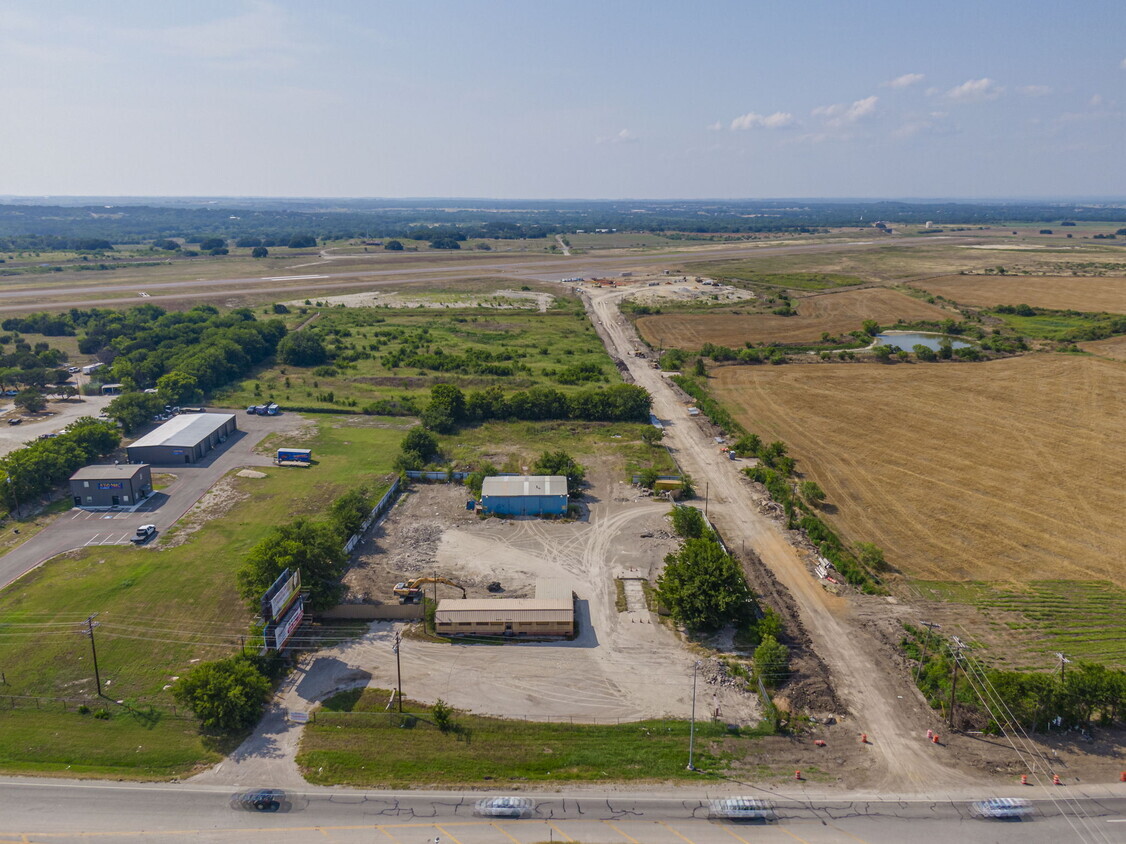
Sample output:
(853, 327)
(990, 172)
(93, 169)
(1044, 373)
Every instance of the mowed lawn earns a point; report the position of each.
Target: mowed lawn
(355, 741)
(835, 313)
(1008, 471)
(159, 611)
(1076, 293)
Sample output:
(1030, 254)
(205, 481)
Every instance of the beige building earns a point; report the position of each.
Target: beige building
(550, 613)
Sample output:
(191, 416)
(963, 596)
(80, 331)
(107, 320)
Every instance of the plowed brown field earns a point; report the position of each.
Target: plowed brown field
(1058, 292)
(1007, 470)
(837, 313)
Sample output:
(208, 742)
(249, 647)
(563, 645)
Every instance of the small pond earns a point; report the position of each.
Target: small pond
(908, 340)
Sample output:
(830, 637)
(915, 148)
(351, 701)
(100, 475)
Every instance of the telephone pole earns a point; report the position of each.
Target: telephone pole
(1063, 664)
(692, 728)
(89, 631)
(398, 670)
(955, 651)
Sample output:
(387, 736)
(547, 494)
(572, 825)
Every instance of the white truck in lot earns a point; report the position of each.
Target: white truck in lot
(144, 534)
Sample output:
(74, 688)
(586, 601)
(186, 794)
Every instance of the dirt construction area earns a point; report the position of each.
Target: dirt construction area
(835, 313)
(621, 665)
(1008, 470)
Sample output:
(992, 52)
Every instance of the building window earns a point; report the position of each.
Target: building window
(85, 484)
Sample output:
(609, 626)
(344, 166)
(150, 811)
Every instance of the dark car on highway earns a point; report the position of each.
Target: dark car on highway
(260, 800)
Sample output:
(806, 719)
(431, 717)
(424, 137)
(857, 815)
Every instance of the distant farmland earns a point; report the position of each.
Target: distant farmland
(1003, 471)
(835, 313)
(1077, 293)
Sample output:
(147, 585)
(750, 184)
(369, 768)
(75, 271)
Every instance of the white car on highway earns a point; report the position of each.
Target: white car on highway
(741, 809)
(1002, 808)
(504, 807)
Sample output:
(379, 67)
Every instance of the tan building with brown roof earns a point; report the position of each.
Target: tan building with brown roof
(550, 613)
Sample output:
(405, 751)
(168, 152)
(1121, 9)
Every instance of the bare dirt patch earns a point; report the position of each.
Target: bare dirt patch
(214, 504)
(1103, 293)
(624, 665)
(835, 313)
(1007, 470)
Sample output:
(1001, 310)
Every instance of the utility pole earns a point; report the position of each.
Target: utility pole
(89, 631)
(15, 496)
(692, 727)
(707, 484)
(956, 652)
(1063, 664)
(398, 670)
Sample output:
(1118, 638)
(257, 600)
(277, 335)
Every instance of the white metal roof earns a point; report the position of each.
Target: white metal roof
(525, 485)
(185, 430)
(100, 472)
(504, 609)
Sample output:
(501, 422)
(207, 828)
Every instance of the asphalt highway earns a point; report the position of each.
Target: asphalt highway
(70, 811)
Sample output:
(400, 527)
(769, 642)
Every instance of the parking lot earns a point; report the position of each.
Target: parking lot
(81, 528)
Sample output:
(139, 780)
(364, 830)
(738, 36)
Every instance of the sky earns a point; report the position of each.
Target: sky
(587, 99)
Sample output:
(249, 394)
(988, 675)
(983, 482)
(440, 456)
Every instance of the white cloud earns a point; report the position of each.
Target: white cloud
(904, 81)
(751, 120)
(841, 114)
(1095, 101)
(716, 127)
(1123, 64)
(1036, 90)
(975, 91)
(625, 136)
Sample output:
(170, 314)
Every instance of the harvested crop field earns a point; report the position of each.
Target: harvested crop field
(1103, 293)
(836, 313)
(1111, 347)
(1003, 471)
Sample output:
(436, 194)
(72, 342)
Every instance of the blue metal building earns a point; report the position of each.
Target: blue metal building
(525, 495)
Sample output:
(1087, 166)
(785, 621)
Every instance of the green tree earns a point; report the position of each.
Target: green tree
(698, 368)
(134, 410)
(227, 695)
(811, 492)
(561, 463)
(870, 327)
(772, 661)
(882, 353)
(312, 547)
(651, 435)
(349, 510)
(703, 587)
(924, 352)
(446, 409)
(871, 556)
(421, 442)
(178, 388)
(393, 246)
(212, 243)
(259, 252)
(689, 522)
(748, 446)
(31, 401)
(302, 348)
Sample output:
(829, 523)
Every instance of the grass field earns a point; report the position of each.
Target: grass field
(1050, 326)
(355, 742)
(535, 347)
(160, 609)
(1082, 619)
(751, 272)
(835, 313)
(1090, 294)
(1002, 471)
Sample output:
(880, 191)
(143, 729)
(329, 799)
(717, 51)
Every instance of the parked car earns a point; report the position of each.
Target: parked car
(504, 807)
(1002, 808)
(11, 392)
(144, 534)
(15, 420)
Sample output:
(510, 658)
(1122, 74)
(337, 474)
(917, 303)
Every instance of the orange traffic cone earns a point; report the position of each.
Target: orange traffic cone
(1122, 777)
(1024, 779)
(797, 775)
(863, 738)
(1056, 779)
(935, 738)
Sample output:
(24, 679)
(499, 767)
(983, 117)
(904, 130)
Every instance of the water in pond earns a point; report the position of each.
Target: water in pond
(908, 341)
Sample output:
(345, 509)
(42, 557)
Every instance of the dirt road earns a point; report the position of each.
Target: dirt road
(883, 704)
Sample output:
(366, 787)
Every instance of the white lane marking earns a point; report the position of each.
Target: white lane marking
(290, 277)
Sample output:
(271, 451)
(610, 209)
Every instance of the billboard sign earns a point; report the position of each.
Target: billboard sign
(286, 627)
(281, 595)
(109, 485)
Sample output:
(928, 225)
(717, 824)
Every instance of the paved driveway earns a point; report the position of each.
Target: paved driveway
(80, 528)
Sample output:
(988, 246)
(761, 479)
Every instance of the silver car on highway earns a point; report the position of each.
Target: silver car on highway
(504, 807)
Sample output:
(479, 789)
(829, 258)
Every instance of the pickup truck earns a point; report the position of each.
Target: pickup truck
(144, 534)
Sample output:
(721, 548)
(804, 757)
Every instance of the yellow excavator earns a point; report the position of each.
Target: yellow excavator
(410, 592)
